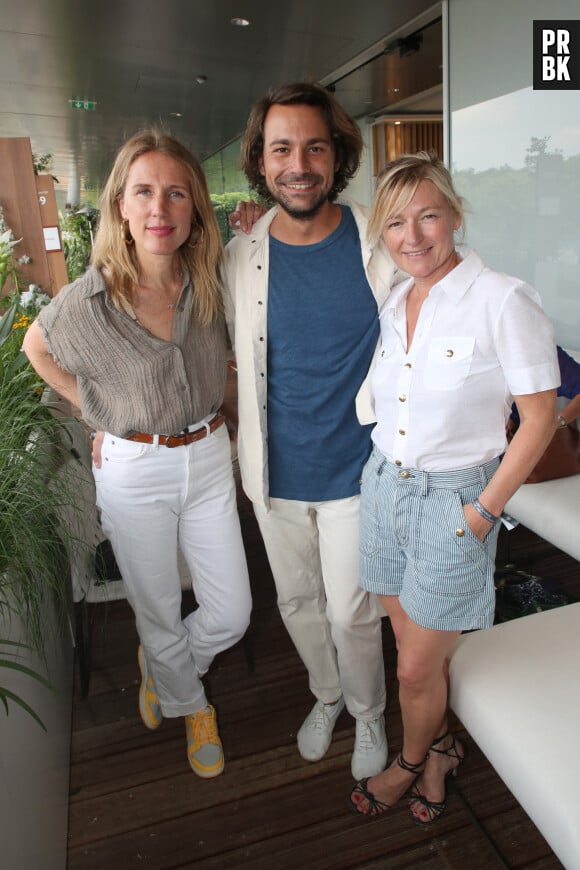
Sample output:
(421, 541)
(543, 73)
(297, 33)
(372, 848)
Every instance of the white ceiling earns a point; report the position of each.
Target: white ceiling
(138, 60)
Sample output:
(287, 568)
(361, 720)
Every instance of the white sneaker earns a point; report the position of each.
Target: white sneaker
(370, 748)
(316, 731)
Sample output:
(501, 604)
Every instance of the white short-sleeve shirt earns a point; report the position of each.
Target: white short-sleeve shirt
(481, 338)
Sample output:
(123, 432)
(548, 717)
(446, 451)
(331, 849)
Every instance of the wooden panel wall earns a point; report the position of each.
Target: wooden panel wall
(49, 218)
(394, 137)
(19, 199)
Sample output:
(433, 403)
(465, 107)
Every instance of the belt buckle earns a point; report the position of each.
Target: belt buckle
(168, 438)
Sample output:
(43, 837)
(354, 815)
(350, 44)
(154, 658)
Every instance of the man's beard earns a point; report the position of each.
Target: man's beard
(292, 210)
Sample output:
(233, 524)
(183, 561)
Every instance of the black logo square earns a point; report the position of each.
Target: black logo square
(557, 55)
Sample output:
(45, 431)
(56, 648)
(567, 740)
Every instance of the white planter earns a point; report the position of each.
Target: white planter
(34, 764)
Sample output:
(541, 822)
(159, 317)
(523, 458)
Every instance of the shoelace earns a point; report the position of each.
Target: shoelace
(322, 720)
(367, 739)
(204, 728)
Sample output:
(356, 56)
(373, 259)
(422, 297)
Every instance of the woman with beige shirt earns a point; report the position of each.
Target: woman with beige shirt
(138, 343)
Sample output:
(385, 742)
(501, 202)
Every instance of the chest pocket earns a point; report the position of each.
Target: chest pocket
(448, 362)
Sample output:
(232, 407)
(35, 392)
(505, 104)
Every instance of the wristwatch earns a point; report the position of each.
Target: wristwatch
(562, 422)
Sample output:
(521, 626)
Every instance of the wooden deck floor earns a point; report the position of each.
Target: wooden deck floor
(134, 803)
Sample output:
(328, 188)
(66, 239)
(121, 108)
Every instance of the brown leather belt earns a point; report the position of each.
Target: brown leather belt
(181, 439)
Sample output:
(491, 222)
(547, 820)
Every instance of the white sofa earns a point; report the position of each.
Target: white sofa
(551, 509)
(516, 689)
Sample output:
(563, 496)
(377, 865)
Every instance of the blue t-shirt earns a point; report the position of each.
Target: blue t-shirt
(322, 331)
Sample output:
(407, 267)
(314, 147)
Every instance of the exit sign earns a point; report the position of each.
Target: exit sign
(85, 105)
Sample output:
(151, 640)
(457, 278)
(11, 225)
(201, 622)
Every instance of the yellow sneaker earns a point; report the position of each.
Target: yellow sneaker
(204, 747)
(149, 707)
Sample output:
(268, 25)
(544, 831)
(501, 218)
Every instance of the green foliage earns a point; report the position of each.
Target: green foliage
(42, 163)
(77, 228)
(224, 204)
(33, 556)
(8, 266)
(510, 204)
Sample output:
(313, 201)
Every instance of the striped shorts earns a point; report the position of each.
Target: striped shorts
(416, 543)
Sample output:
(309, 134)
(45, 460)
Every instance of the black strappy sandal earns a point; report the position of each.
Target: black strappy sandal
(375, 807)
(435, 809)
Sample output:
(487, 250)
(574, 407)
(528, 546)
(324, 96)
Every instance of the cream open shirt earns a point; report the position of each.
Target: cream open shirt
(246, 303)
(481, 337)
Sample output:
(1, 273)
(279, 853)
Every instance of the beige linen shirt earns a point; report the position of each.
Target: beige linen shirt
(129, 380)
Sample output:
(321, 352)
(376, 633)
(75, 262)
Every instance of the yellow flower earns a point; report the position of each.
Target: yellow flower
(22, 322)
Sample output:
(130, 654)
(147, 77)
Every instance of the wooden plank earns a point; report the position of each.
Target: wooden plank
(135, 803)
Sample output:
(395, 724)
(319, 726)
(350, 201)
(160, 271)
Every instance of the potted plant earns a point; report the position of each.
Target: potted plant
(34, 555)
(42, 519)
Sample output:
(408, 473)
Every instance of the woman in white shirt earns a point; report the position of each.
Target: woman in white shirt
(458, 342)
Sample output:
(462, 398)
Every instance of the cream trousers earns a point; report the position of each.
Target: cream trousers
(312, 548)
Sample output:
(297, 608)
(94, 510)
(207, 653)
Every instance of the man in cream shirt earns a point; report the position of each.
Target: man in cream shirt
(302, 292)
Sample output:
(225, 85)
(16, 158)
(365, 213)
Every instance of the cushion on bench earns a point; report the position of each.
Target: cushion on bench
(516, 689)
(551, 509)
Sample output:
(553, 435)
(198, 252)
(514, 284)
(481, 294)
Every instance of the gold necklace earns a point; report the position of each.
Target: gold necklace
(171, 306)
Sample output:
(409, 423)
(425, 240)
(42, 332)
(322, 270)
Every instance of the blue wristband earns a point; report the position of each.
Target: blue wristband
(482, 511)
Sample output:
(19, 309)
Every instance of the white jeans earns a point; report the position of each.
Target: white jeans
(153, 498)
(312, 548)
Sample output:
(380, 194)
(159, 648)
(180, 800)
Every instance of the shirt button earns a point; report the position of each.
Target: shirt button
(398, 462)
(460, 532)
(259, 267)
(405, 475)
(449, 352)
(402, 398)
(408, 366)
(402, 432)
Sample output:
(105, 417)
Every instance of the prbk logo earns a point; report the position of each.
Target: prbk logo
(556, 55)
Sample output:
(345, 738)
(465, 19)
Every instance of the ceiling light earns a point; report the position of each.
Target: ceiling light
(240, 22)
(176, 114)
(200, 80)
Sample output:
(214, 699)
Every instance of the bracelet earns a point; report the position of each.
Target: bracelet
(482, 511)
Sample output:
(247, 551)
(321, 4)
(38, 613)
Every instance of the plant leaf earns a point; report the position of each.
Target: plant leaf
(6, 695)
(23, 669)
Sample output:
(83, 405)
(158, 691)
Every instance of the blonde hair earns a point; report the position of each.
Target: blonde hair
(201, 254)
(398, 183)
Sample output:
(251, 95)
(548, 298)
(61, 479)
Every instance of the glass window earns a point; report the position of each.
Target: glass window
(515, 152)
